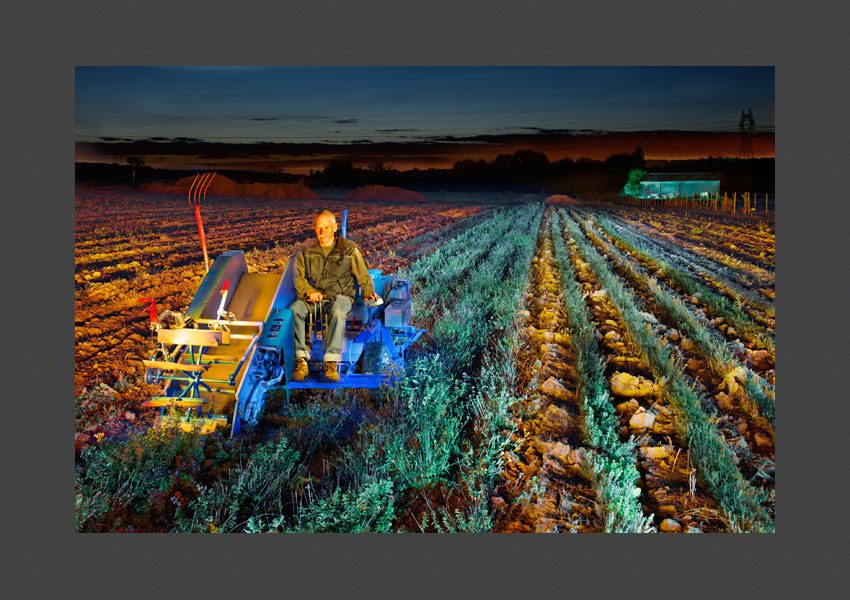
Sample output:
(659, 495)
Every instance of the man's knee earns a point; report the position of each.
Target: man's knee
(299, 308)
(341, 307)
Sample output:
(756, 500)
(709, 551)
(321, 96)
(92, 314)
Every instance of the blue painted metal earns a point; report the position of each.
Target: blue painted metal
(228, 266)
(271, 363)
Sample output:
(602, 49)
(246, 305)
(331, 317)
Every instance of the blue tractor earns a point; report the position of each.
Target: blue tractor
(235, 342)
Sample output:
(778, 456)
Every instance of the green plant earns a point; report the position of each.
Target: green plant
(370, 508)
(632, 187)
(255, 489)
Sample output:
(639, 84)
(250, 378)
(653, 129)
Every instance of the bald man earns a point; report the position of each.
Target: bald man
(325, 269)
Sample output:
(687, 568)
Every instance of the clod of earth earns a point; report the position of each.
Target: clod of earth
(626, 385)
(732, 379)
(612, 336)
(552, 387)
(760, 360)
(656, 452)
(641, 420)
(627, 408)
(670, 526)
(724, 402)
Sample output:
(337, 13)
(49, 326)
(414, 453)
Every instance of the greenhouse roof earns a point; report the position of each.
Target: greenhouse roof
(681, 177)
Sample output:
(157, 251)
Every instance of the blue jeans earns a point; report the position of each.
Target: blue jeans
(337, 312)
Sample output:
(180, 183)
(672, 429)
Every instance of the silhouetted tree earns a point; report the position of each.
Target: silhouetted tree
(639, 158)
(135, 161)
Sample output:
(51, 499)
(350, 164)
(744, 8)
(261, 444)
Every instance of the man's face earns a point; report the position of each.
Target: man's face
(325, 228)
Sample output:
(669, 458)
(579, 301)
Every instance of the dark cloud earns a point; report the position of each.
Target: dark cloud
(115, 139)
(392, 130)
(344, 121)
(265, 119)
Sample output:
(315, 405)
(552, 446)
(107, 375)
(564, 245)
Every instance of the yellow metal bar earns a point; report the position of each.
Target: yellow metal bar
(158, 401)
(193, 337)
(230, 323)
(171, 366)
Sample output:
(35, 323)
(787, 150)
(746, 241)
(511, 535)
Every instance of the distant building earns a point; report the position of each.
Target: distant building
(671, 185)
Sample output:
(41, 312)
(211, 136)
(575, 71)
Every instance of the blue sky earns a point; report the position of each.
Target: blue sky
(380, 104)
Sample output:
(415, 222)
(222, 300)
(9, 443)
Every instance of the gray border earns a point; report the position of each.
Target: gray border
(42, 44)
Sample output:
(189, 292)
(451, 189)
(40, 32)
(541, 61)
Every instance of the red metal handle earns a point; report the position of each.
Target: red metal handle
(151, 307)
(226, 285)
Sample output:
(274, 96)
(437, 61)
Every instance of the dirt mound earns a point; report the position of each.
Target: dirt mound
(222, 186)
(562, 200)
(383, 192)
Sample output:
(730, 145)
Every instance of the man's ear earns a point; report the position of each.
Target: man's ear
(336, 226)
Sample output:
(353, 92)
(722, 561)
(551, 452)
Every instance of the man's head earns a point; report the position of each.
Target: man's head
(325, 227)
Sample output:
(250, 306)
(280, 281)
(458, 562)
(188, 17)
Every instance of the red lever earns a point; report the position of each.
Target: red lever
(226, 285)
(151, 307)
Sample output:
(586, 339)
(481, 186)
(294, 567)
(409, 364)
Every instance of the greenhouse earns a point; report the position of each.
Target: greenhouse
(671, 185)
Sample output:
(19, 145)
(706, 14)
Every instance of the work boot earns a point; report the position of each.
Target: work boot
(301, 370)
(331, 371)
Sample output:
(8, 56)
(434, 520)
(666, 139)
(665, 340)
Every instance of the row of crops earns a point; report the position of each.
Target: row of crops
(437, 429)
(580, 374)
(744, 504)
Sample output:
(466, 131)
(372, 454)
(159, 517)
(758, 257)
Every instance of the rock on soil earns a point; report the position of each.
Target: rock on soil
(724, 402)
(656, 452)
(760, 360)
(687, 345)
(628, 408)
(673, 335)
(670, 526)
(642, 420)
(626, 385)
(612, 336)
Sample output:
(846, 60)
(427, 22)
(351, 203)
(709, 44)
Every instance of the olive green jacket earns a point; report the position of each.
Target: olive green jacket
(333, 275)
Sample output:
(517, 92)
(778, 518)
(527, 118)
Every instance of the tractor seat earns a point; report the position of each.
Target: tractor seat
(357, 318)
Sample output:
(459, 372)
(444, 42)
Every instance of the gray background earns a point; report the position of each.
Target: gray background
(41, 45)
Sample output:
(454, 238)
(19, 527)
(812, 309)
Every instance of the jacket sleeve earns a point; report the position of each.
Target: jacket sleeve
(361, 273)
(301, 285)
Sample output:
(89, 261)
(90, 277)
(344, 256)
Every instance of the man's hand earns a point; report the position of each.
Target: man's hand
(371, 297)
(314, 296)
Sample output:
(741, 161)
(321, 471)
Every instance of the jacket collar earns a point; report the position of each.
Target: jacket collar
(339, 245)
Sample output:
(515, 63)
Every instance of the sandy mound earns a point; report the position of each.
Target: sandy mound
(562, 200)
(222, 186)
(383, 192)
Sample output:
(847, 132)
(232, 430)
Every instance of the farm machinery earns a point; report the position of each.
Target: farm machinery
(235, 343)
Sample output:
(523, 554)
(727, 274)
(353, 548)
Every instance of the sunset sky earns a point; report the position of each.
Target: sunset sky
(298, 118)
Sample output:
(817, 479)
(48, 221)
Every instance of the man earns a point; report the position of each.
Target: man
(325, 269)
